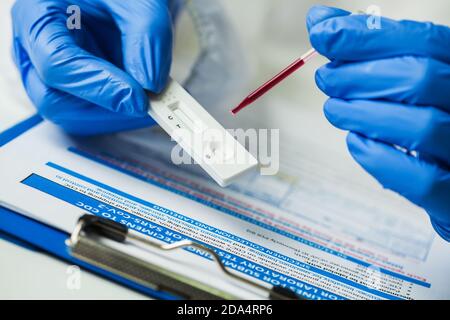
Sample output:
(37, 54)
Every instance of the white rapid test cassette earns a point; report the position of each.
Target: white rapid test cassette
(200, 135)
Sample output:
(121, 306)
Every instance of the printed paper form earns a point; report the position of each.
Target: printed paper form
(325, 240)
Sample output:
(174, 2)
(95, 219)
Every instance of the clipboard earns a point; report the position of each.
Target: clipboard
(85, 248)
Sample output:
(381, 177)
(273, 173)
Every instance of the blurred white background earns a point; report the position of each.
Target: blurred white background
(272, 34)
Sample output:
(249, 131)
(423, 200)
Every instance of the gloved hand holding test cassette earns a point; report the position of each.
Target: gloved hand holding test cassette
(89, 86)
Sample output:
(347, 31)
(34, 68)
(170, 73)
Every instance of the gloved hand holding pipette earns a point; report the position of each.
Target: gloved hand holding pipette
(390, 88)
(92, 80)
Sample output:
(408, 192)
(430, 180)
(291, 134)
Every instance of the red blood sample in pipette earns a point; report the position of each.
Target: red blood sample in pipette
(258, 93)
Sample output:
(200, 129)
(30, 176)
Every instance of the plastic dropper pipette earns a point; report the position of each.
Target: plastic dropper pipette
(266, 87)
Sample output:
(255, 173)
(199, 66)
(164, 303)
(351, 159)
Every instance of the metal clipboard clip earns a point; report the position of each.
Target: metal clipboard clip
(84, 245)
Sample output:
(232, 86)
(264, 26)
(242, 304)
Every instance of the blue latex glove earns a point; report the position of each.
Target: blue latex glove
(92, 80)
(391, 88)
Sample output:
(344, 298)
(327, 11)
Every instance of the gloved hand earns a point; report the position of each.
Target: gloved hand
(391, 89)
(92, 80)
